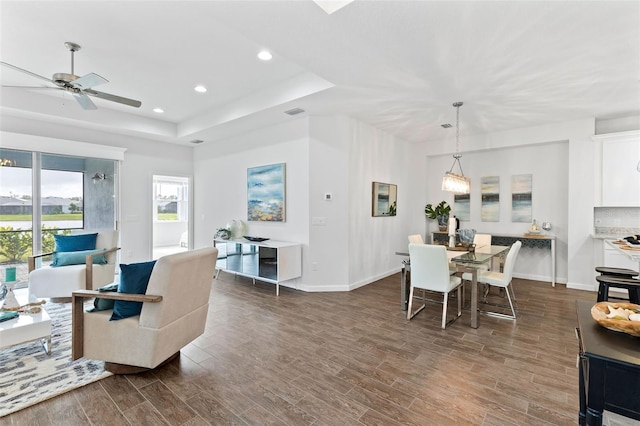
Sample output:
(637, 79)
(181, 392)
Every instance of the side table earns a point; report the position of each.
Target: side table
(27, 327)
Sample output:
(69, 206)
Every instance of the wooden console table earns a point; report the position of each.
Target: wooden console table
(532, 241)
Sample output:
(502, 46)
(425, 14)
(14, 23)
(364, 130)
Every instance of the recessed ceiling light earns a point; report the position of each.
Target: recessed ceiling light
(158, 110)
(200, 88)
(265, 55)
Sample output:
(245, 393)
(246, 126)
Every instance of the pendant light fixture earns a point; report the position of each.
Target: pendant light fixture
(452, 182)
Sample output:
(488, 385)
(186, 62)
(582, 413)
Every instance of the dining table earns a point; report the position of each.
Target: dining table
(465, 261)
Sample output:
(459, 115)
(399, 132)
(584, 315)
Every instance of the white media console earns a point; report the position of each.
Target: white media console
(270, 261)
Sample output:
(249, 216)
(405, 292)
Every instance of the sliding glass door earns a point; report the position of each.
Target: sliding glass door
(50, 194)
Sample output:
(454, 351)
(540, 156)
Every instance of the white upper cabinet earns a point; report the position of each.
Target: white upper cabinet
(621, 170)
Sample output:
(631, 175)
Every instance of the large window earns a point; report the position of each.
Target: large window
(49, 194)
(171, 198)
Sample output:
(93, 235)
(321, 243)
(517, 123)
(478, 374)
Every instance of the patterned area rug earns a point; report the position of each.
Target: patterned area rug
(28, 375)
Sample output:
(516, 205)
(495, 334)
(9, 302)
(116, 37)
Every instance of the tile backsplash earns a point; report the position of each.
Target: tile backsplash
(620, 221)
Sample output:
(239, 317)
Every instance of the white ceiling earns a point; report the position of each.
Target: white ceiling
(398, 65)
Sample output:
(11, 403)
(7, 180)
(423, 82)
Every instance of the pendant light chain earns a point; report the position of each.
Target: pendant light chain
(458, 155)
(458, 130)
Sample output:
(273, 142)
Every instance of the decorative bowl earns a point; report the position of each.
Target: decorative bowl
(599, 313)
(255, 239)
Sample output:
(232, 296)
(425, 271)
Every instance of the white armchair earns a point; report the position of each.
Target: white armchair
(59, 282)
(174, 312)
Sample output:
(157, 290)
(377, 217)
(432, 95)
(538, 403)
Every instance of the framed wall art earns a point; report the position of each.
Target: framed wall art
(384, 199)
(521, 198)
(462, 206)
(266, 193)
(490, 191)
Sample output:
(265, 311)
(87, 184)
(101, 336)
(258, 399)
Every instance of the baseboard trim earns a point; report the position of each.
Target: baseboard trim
(348, 287)
(580, 286)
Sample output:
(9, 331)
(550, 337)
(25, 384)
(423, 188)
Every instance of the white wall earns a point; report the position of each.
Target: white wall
(326, 261)
(375, 156)
(344, 247)
(584, 170)
(138, 168)
(220, 190)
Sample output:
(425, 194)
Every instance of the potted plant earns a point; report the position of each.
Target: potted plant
(439, 213)
(223, 233)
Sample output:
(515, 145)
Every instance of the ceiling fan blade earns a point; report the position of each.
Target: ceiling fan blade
(34, 87)
(84, 101)
(113, 98)
(88, 81)
(26, 72)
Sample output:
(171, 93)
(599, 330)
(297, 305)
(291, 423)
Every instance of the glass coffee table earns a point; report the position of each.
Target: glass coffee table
(27, 327)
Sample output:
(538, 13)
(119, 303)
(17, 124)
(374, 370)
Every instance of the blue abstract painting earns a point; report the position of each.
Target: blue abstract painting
(462, 206)
(266, 193)
(521, 198)
(490, 203)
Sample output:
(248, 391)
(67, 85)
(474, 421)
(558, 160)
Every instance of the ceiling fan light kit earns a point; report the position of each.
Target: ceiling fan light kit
(79, 87)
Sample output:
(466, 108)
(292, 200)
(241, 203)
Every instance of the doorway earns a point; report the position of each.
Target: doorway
(170, 215)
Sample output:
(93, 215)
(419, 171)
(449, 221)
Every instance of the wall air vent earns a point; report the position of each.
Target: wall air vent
(446, 126)
(196, 141)
(294, 111)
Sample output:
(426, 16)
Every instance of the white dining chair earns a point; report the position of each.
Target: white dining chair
(430, 271)
(416, 239)
(482, 241)
(502, 280)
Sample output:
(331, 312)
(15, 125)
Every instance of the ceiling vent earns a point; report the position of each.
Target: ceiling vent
(196, 141)
(446, 126)
(294, 111)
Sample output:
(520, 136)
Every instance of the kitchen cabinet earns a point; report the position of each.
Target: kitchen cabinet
(614, 259)
(621, 170)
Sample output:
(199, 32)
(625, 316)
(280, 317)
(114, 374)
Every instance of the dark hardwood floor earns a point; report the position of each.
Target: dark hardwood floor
(347, 359)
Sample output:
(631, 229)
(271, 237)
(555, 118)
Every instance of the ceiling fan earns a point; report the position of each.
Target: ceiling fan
(80, 87)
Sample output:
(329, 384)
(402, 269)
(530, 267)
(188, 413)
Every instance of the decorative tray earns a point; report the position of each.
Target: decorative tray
(600, 310)
(255, 239)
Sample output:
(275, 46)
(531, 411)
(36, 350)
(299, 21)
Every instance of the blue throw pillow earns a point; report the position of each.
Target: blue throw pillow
(66, 258)
(134, 278)
(75, 242)
(100, 304)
